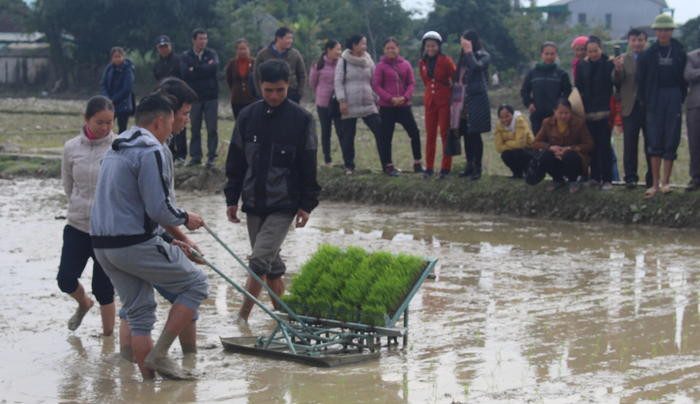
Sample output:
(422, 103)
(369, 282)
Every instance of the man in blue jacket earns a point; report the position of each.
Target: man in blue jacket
(271, 167)
(131, 200)
(199, 68)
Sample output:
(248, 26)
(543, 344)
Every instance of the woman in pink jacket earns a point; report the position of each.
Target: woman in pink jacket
(321, 81)
(394, 83)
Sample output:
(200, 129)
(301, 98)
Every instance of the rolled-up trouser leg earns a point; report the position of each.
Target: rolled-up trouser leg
(135, 268)
(267, 233)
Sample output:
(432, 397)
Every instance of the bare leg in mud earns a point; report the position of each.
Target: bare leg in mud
(188, 340)
(108, 314)
(150, 358)
(84, 305)
(254, 288)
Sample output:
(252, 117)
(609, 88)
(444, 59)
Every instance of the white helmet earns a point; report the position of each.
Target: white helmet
(432, 35)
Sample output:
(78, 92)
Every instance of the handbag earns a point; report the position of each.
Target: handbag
(534, 174)
(333, 104)
(453, 145)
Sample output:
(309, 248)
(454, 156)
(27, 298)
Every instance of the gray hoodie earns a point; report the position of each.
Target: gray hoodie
(133, 193)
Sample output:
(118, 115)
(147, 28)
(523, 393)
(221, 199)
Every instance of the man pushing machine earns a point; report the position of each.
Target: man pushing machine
(131, 200)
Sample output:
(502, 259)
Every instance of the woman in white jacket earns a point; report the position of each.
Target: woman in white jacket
(353, 89)
(79, 169)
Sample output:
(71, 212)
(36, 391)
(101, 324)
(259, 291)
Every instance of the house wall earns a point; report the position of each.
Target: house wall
(18, 70)
(625, 13)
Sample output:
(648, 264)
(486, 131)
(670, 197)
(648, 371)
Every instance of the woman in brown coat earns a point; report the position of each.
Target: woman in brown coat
(568, 146)
(239, 77)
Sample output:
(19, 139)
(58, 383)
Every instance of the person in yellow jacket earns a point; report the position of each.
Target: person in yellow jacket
(513, 138)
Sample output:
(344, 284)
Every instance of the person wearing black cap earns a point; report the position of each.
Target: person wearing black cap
(168, 65)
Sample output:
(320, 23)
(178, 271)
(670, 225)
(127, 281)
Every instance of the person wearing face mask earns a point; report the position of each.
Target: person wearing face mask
(117, 83)
(513, 139)
(661, 88)
(321, 81)
(633, 116)
(436, 71)
(594, 82)
(393, 82)
(567, 145)
(544, 85)
(79, 167)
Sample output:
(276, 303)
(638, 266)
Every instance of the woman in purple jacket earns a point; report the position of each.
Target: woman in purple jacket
(394, 83)
(321, 81)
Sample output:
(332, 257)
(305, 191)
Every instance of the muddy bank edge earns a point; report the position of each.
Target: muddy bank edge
(490, 195)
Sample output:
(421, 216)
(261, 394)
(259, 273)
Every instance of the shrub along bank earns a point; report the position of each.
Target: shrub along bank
(490, 195)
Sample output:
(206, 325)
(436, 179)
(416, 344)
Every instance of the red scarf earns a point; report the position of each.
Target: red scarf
(89, 133)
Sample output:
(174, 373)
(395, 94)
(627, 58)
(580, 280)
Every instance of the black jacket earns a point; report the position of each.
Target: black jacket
(271, 163)
(201, 74)
(594, 82)
(544, 85)
(648, 72)
(168, 66)
(476, 98)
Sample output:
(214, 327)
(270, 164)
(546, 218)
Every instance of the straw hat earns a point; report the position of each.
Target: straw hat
(663, 21)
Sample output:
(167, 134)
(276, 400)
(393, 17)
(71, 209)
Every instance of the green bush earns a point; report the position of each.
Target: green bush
(352, 284)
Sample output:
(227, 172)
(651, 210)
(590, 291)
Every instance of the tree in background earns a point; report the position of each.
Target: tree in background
(690, 36)
(488, 17)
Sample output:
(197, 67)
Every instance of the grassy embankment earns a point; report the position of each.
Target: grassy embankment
(42, 126)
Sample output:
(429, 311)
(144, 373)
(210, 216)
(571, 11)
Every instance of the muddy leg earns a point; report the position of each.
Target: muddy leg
(108, 313)
(125, 350)
(157, 359)
(188, 338)
(142, 345)
(84, 305)
(277, 286)
(254, 288)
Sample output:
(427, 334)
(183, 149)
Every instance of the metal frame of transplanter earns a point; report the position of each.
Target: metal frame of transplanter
(318, 341)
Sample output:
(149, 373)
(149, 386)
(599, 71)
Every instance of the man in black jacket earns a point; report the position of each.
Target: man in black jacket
(271, 167)
(544, 85)
(168, 65)
(199, 68)
(661, 89)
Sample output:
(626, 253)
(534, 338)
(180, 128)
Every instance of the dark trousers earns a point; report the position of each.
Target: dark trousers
(517, 160)
(327, 122)
(207, 111)
(77, 248)
(569, 167)
(536, 119)
(236, 108)
(404, 116)
(178, 145)
(664, 120)
(122, 121)
(473, 145)
(347, 140)
(693, 121)
(632, 125)
(601, 163)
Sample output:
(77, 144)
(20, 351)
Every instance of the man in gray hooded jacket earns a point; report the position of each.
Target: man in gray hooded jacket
(131, 200)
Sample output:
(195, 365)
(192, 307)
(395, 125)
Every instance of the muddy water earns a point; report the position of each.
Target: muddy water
(521, 311)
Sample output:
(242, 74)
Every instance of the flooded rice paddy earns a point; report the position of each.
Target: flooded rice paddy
(521, 311)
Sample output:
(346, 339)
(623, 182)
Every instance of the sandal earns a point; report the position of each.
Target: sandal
(650, 192)
(666, 189)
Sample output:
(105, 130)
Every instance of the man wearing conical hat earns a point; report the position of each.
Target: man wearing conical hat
(661, 89)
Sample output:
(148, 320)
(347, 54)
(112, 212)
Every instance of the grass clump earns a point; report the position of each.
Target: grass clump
(352, 284)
